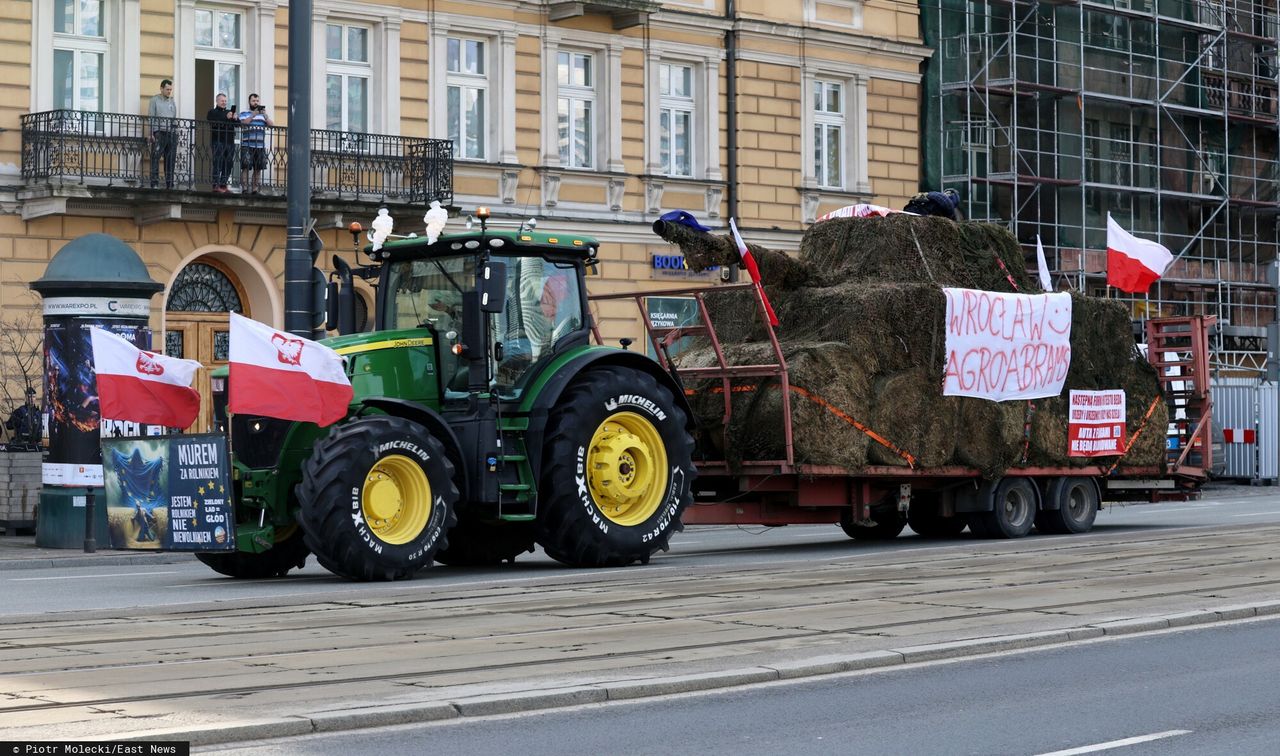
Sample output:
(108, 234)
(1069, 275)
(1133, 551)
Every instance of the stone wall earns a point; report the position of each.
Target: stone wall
(19, 489)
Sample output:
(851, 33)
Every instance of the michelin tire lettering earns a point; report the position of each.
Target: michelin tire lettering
(636, 400)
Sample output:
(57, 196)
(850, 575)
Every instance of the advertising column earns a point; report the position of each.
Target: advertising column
(94, 281)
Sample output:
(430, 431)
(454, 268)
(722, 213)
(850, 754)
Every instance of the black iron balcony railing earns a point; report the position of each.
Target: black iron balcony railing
(130, 151)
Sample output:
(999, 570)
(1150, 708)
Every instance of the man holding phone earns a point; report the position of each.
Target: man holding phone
(253, 145)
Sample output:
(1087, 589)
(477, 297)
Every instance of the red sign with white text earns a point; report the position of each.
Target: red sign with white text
(1096, 423)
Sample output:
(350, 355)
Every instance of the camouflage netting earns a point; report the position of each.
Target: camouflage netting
(861, 313)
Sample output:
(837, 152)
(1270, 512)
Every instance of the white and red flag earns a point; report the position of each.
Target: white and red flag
(1133, 264)
(860, 210)
(749, 261)
(141, 386)
(277, 374)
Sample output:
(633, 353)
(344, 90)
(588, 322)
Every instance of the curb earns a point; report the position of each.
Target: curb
(105, 560)
(525, 701)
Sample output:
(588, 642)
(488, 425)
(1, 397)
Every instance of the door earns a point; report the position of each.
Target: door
(204, 337)
(197, 324)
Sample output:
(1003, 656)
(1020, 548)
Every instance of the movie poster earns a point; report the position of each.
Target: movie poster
(171, 493)
(75, 427)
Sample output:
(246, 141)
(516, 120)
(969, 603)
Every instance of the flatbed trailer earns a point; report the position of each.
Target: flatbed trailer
(877, 501)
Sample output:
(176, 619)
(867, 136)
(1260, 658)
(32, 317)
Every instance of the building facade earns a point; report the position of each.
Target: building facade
(594, 117)
(1049, 116)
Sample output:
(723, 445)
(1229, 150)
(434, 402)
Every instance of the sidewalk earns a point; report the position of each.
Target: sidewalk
(19, 552)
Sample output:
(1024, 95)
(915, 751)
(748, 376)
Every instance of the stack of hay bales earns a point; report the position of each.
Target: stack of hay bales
(861, 315)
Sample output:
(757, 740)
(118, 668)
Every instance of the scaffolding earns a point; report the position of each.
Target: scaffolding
(1047, 115)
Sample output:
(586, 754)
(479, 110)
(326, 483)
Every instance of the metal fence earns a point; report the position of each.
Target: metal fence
(1244, 410)
(131, 151)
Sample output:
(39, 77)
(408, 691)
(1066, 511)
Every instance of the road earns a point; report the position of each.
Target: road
(1205, 691)
(149, 652)
(78, 589)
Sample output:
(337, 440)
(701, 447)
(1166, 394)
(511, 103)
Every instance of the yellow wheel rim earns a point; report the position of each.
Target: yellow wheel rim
(396, 499)
(627, 468)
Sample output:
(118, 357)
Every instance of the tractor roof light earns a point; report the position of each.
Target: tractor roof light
(482, 213)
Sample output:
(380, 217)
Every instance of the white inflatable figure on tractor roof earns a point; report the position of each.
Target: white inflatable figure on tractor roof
(435, 219)
(381, 228)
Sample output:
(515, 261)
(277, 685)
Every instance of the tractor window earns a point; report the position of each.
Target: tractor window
(544, 305)
(425, 293)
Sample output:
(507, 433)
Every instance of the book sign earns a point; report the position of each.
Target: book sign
(169, 493)
(1096, 423)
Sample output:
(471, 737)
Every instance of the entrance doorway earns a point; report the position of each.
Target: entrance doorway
(197, 324)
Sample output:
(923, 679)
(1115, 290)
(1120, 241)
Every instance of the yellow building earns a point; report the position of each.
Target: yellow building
(595, 117)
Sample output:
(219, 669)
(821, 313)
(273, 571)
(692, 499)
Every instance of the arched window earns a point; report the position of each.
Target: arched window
(201, 287)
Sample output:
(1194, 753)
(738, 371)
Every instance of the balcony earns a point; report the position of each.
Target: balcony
(107, 156)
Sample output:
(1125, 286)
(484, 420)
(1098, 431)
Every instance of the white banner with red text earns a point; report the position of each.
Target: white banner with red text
(1006, 346)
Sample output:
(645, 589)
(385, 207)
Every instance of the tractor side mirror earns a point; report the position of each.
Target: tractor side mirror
(331, 307)
(491, 284)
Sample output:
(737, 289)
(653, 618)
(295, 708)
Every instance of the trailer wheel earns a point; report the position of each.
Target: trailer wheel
(477, 543)
(1013, 510)
(1077, 506)
(288, 552)
(889, 522)
(617, 470)
(927, 521)
(377, 498)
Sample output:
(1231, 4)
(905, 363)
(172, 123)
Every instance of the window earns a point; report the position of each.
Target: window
(467, 93)
(347, 79)
(675, 119)
(80, 49)
(828, 133)
(575, 109)
(219, 41)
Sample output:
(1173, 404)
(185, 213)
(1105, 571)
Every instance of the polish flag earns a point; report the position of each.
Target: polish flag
(141, 386)
(277, 374)
(1133, 264)
(749, 261)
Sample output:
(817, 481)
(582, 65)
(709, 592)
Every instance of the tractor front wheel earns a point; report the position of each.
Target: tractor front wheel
(377, 498)
(617, 470)
(288, 552)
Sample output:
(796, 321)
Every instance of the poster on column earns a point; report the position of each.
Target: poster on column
(1006, 346)
(171, 493)
(1096, 423)
(75, 426)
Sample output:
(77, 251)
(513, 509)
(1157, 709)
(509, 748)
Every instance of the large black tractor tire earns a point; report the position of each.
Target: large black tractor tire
(1077, 506)
(289, 552)
(1014, 503)
(889, 523)
(377, 498)
(477, 543)
(617, 470)
(926, 519)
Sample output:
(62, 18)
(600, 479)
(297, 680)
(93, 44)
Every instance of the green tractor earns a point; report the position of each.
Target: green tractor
(484, 421)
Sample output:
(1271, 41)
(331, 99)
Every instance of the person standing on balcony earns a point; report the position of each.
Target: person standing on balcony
(162, 114)
(222, 141)
(253, 145)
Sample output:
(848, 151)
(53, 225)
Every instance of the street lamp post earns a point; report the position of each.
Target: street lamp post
(299, 309)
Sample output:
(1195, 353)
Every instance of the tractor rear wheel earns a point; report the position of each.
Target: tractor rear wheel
(617, 470)
(377, 498)
(288, 552)
(480, 543)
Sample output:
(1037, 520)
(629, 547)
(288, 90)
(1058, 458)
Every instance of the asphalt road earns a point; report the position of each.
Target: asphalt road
(1203, 691)
(73, 589)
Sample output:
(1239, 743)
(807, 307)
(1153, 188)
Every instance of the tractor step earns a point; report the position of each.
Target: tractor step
(517, 517)
(516, 487)
(513, 458)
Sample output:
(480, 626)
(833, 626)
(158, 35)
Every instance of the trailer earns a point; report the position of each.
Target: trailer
(877, 502)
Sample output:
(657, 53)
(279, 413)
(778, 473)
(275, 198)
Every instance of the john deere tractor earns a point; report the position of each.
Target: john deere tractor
(484, 422)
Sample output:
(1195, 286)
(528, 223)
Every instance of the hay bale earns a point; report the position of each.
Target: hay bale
(827, 382)
(908, 409)
(990, 434)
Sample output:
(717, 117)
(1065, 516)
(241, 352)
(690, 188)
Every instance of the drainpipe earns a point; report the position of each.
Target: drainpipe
(731, 117)
(299, 309)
